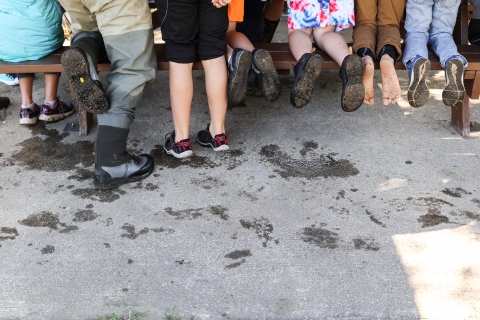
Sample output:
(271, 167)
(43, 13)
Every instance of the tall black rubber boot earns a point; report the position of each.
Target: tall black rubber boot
(80, 63)
(269, 30)
(114, 166)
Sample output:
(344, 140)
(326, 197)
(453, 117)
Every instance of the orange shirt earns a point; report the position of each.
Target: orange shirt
(235, 11)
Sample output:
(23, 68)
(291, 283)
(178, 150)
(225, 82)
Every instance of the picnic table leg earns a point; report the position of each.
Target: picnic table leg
(85, 119)
(461, 117)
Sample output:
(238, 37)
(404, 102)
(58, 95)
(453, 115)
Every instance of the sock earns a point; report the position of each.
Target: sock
(363, 52)
(50, 103)
(28, 106)
(388, 50)
(229, 59)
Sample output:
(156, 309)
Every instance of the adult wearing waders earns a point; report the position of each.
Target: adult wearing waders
(120, 30)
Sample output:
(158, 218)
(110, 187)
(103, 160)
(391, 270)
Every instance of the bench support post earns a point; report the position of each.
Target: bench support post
(85, 121)
(461, 117)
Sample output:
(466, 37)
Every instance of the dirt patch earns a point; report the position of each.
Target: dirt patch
(108, 195)
(235, 265)
(238, 254)
(131, 234)
(367, 244)
(375, 220)
(187, 214)
(430, 220)
(320, 237)
(85, 215)
(219, 211)
(471, 215)
(263, 229)
(162, 159)
(455, 192)
(82, 175)
(7, 233)
(308, 146)
(323, 166)
(48, 250)
(50, 154)
(47, 219)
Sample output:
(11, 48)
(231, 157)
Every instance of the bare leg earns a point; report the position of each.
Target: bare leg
(181, 95)
(368, 72)
(51, 86)
(273, 9)
(237, 39)
(300, 42)
(216, 84)
(331, 43)
(26, 88)
(390, 85)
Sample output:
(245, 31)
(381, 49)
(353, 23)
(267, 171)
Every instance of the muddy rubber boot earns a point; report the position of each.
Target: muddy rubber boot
(114, 166)
(353, 89)
(4, 102)
(306, 71)
(269, 30)
(80, 63)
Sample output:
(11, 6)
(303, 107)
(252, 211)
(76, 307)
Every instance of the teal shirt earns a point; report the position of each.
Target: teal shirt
(29, 29)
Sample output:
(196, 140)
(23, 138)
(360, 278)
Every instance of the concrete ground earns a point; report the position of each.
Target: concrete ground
(313, 214)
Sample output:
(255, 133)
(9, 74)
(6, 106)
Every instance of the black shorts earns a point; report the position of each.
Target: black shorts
(191, 28)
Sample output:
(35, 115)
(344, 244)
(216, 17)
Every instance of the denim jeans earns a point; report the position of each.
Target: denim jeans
(431, 21)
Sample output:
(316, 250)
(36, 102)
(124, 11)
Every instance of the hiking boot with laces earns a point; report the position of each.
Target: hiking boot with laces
(218, 143)
(29, 116)
(59, 111)
(180, 149)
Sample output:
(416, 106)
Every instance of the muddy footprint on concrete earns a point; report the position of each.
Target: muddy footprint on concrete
(263, 229)
(47, 219)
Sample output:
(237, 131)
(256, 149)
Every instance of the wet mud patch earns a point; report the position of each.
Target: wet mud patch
(50, 154)
(47, 219)
(308, 146)
(237, 254)
(219, 211)
(367, 244)
(162, 159)
(374, 220)
(235, 264)
(85, 215)
(187, 214)
(208, 183)
(108, 195)
(468, 214)
(320, 237)
(430, 220)
(263, 229)
(132, 234)
(133, 147)
(455, 192)
(7, 233)
(477, 202)
(48, 250)
(322, 166)
(81, 175)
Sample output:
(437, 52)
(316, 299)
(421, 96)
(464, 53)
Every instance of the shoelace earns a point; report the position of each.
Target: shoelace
(221, 138)
(182, 144)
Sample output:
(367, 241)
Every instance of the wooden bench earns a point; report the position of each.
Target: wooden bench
(283, 60)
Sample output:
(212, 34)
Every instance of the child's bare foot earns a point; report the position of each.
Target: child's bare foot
(390, 86)
(368, 70)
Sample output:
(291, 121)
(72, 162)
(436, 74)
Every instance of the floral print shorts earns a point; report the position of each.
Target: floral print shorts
(321, 13)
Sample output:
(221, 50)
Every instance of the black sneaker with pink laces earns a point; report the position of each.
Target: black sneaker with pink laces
(29, 116)
(59, 111)
(180, 149)
(218, 143)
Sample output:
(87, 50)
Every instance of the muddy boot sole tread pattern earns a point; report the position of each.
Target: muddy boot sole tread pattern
(354, 91)
(454, 92)
(302, 91)
(88, 95)
(418, 92)
(238, 85)
(270, 82)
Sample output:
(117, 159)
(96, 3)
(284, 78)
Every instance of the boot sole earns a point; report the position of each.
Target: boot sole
(88, 95)
(353, 93)
(55, 117)
(454, 92)
(238, 85)
(114, 183)
(271, 85)
(418, 92)
(302, 91)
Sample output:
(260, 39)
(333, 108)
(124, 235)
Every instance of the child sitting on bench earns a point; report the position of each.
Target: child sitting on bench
(432, 21)
(244, 57)
(321, 19)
